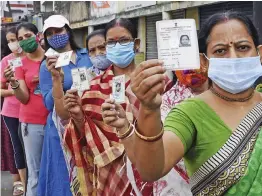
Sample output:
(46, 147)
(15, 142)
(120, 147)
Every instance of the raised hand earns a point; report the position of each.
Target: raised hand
(113, 114)
(72, 103)
(9, 74)
(148, 83)
(55, 72)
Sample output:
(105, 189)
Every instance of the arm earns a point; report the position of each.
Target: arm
(4, 91)
(21, 93)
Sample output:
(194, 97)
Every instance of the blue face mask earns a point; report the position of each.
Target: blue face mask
(58, 41)
(121, 56)
(235, 75)
(100, 62)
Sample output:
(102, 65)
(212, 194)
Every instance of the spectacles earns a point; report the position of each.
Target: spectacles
(122, 42)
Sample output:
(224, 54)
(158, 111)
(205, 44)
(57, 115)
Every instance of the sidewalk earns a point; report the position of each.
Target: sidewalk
(6, 184)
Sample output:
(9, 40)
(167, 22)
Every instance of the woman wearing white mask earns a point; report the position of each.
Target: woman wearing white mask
(10, 110)
(219, 132)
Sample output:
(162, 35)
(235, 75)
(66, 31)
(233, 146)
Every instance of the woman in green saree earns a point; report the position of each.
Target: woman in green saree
(217, 133)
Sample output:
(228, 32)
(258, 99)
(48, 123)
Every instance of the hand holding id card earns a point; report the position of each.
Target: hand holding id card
(14, 63)
(64, 59)
(51, 52)
(118, 89)
(177, 44)
(80, 79)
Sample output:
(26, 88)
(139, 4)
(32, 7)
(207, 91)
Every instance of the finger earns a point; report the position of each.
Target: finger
(149, 63)
(70, 105)
(68, 95)
(111, 101)
(147, 73)
(107, 106)
(147, 84)
(108, 113)
(119, 107)
(71, 91)
(150, 95)
(110, 119)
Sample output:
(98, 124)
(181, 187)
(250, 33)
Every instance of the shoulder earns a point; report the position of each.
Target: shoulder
(6, 58)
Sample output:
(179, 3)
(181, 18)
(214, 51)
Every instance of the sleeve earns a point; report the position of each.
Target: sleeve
(3, 66)
(46, 86)
(179, 123)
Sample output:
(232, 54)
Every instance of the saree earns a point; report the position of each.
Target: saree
(98, 165)
(236, 169)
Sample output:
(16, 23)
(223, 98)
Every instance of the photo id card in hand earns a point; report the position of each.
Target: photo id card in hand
(64, 59)
(14, 63)
(118, 89)
(80, 79)
(51, 52)
(177, 44)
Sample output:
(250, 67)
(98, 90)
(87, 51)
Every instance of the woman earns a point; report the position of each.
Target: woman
(221, 155)
(54, 178)
(94, 146)
(184, 41)
(32, 113)
(7, 151)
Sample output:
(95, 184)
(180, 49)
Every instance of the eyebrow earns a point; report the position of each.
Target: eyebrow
(239, 42)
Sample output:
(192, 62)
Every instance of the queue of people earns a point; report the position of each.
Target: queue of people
(197, 135)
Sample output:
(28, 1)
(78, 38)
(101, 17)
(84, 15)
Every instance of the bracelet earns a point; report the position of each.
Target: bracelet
(149, 139)
(126, 133)
(76, 119)
(15, 87)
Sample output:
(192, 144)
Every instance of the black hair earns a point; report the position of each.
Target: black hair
(122, 22)
(100, 32)
(72, 42)
(4, 47)
(11, 30)
(183, 36)
(28, 26)
(221, 17)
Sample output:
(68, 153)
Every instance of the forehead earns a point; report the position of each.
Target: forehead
(51, 29)
(10, 34)
(229, 31)
(117, 32)
(96, 40)
(24, 31)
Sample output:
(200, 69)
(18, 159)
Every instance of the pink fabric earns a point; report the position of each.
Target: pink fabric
(11, 105)
(34, 111)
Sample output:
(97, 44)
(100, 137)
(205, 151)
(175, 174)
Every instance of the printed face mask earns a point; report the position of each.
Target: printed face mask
(58, 41)
(100, 62)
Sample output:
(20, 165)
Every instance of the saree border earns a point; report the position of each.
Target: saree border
(215, 166)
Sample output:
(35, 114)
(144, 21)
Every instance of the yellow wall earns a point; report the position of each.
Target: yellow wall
(193, 13)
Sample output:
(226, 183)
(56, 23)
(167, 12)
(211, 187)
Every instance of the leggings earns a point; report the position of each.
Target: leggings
(12, 125)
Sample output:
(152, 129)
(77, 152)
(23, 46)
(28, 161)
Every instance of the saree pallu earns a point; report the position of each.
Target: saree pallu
(97, 155)
(236, 169)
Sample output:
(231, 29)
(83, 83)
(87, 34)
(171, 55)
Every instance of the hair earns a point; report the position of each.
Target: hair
(4, 47)
(28, 26)
(122, 22)
(11, 30)
(99, 32)
(222, 17)
(184, 36)
(72, 42)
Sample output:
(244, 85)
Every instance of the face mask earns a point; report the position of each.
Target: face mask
(121, 56)
(100, 62)
(15, 48)
(191, 78)
(235, 75)
(29, 45)
(58, 41)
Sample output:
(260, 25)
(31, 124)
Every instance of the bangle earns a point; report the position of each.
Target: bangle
(15, 87)
(149, 139)
(126, 133)
(77, 119)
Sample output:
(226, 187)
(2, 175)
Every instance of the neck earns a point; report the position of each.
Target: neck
(19, 54)
(36, 55)
(65, 49)
(127, 71)
(241, 95)
(200, 89)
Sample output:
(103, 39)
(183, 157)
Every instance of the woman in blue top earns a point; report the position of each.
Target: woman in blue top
(54, 178)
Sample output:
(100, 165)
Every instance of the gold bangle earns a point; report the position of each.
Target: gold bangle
(149, 139)
(126, 133)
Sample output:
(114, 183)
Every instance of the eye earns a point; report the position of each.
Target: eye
(243, 48)
(124, 41)
(91, 50)
(220, 51)
(111, 43)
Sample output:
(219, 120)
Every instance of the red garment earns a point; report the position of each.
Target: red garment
(98, 155)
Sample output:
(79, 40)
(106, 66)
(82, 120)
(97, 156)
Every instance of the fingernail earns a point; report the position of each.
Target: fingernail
(160, 62)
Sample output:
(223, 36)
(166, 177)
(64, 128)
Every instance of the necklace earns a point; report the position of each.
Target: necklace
(231, 99)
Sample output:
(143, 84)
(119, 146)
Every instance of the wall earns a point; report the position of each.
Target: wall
(80, 35)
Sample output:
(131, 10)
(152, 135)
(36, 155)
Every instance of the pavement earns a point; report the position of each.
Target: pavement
(6, 184)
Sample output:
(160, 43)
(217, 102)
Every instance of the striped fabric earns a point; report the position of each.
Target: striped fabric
(99, 156)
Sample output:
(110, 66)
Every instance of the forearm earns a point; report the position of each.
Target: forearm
(6, 93)
(148, 157)
(58, 95)
(20, 94)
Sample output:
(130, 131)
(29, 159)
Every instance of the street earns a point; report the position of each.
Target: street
(6, 184)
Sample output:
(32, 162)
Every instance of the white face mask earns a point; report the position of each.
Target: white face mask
(235, 75)
(14, 47)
